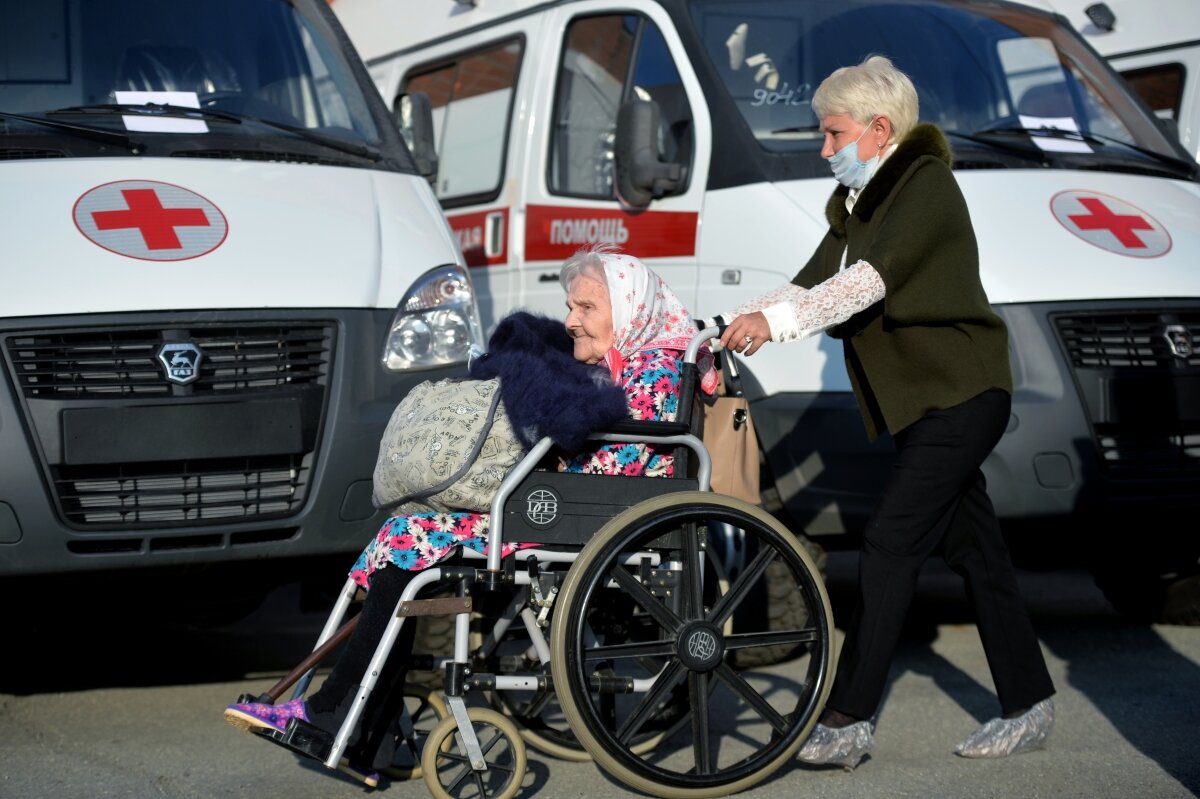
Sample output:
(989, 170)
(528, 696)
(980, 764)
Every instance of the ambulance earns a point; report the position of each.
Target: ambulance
(222, 270)
(1156, 47)
(682, 131)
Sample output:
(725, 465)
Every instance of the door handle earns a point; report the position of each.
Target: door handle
(548, 277)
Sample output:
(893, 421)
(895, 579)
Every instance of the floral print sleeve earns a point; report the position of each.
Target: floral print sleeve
(651, 380)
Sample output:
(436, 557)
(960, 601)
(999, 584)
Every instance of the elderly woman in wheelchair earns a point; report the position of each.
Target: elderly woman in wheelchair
(628, 625)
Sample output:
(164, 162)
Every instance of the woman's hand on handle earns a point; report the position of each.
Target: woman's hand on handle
(747, 333)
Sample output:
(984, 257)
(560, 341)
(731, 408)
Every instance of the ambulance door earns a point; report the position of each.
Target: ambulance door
(474, 83)
(603, 58)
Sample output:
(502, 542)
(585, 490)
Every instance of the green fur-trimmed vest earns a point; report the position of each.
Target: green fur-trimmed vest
(933, 341)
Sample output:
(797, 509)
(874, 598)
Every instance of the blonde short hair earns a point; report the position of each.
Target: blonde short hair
(868, 90)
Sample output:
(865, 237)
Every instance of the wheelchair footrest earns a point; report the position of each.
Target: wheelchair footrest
(301, 737)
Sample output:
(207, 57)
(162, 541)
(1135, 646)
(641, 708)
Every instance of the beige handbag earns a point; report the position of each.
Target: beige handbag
(730, 438)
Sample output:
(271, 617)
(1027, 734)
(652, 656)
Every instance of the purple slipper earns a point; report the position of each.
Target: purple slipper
(261, 716)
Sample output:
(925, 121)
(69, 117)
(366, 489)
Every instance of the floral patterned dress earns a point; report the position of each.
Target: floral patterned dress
(416, 541)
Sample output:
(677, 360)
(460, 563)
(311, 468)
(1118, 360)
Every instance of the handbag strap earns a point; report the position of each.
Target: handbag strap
(733, 379)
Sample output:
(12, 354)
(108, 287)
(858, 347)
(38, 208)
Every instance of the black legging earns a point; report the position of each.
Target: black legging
(330, 704)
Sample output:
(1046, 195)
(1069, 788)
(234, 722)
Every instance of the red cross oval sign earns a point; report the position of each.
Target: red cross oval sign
(1110, 223)
(150, 220)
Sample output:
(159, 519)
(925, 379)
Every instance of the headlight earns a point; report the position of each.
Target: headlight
(436, 324)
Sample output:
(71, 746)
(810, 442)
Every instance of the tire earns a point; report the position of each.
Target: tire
(447, 771)
(1182, 605)
(744, 722)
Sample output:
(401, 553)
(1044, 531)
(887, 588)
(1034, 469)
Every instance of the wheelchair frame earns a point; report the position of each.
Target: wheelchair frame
(705, 622)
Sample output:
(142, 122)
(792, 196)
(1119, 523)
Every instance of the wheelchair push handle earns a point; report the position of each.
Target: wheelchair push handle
(709, 329)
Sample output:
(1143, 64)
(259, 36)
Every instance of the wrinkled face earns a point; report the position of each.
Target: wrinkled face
(590, 321)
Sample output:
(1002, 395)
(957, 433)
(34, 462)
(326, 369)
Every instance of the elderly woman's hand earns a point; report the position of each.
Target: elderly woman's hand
(747, 333)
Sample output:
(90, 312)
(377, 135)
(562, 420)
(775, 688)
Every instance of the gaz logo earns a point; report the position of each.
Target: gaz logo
(181, 362)
(1179, 341)
(149, 220)
(1110, 223)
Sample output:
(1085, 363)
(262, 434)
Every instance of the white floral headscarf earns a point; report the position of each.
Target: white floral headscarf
(648, 315)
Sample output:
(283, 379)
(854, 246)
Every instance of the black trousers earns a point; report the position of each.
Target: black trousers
(374, 741)
(935, 497)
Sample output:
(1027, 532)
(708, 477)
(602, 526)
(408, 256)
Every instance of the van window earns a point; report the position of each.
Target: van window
(1161, 86)
(978, 68)
(276, 84)
(472, 97)
(607, 61)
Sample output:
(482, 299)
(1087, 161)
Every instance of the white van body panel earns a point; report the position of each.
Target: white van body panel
(304, 254)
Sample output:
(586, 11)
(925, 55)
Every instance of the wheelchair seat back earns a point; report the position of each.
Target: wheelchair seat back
(567, 508)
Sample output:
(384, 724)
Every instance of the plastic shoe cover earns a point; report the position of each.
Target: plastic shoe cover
(258, 715)
(838, 746)
(1004, 737)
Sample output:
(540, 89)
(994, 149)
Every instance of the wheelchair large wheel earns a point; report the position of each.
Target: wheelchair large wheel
(745, 721)
(540, 718)
(447, 769)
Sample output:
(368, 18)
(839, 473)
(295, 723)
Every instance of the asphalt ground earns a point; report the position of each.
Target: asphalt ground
(93, 705)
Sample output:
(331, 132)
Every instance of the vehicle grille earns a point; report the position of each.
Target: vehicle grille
(93, 363)
(1124, 357)
(211, 491)
(58, 369)
(1124, 339)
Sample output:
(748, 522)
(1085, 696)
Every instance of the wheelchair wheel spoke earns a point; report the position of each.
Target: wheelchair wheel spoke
(752, 697)
(537, 704)
(698, 695)
(646, 709)
(807, 635)
(693, 573)
(647, 601)
(638, 650)
(738, 592)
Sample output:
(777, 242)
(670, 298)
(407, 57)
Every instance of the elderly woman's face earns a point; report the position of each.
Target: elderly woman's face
(590, 321)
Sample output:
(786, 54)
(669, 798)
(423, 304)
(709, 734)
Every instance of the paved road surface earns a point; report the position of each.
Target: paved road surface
(91, 708)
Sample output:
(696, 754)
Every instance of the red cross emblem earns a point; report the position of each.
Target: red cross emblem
(150, 220)
(1110, 223)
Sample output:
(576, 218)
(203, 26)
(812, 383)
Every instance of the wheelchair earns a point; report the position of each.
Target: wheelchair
(633, 635)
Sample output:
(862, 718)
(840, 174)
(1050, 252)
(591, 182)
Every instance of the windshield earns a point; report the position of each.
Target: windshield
(994, 76)
(265, 76)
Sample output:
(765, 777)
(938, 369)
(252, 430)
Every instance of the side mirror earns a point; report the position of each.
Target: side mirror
(641, 176)
(414, 117)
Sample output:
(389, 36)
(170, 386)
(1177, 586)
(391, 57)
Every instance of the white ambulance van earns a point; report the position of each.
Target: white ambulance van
(221, 272)
(682, 131)
(1155, 45)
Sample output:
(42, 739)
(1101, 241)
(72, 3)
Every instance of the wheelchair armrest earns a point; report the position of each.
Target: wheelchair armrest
(637, 427)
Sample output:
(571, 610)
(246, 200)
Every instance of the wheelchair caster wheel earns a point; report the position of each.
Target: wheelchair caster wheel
(447, 769)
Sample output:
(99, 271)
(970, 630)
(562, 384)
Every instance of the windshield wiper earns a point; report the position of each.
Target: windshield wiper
(177, 111)
(165, 110)
(1096, 139)
(82, 131)
(979, 138)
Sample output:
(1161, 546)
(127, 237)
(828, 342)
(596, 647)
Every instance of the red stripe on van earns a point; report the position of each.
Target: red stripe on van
(553, 233)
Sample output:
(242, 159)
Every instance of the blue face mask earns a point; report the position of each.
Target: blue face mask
(848, 169)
